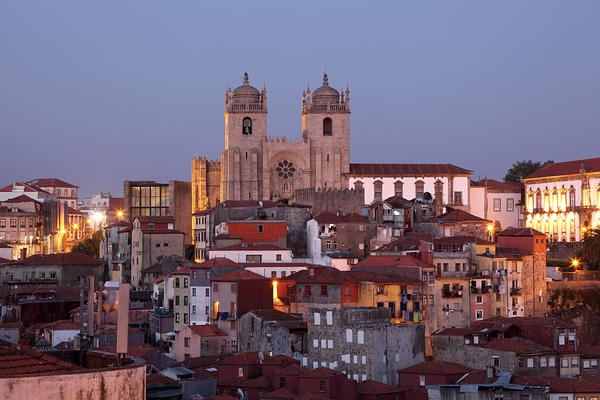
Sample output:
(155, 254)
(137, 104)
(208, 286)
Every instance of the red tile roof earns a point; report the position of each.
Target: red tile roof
(260, 382)
(393, 261)
(20, 199)
(517, 345)
(27, 188)
(240, 275)
(566, 168)
(333, 275)
(214, 262)
(322, 372)
(207, 330)
(371, 387)
(589, 350)
(255, 247)
(280, 394)
(546, 322)
(464, 239)
(519, 232)
(21, 361)
(406, 170)
(58, 259)
(559, 385)
(454, 215)
(436, 368)
(397, 201)
(51, 182)
(292, 369)
(500, 186)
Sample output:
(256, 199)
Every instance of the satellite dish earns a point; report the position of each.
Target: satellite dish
(240, 394)
(260, 204)
(427, 196)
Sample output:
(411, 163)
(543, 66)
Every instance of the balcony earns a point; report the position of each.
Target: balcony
(515, 291)
(452, 293)
(481, 290)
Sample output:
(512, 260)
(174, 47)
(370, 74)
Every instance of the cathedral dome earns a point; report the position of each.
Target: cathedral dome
(325, 94)
(246, 93)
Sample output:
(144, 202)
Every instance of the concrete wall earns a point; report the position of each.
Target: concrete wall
(112, 384)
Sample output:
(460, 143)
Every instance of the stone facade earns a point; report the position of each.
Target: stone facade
(345, 201)
(273, 332)
(256, 167)
(362, 343)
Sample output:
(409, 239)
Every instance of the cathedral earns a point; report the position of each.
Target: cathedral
(254, 166)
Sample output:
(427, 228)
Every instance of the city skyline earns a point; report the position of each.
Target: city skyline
(95, 100)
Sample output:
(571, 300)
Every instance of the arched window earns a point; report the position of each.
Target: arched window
(538, 200)
(398, 188)
(358, 185)
(572, 197)
(378, 190)
(419, 188)
(247, 126)
(327, 127)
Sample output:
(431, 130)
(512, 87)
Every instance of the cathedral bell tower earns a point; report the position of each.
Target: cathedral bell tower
(245, 133)
(326, 126)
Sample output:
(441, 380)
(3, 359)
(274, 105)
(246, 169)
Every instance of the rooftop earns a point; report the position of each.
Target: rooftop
(254, 247)
(454, 215)
(206, 330)
(436, 368)
(51, 182)
(519, 232)
(381, 170)
(566, 168)
(492, 184)
(239, 275)
(58, 259)
(20, 361)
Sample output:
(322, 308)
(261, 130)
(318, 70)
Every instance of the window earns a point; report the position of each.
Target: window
(479, 299)
(185, 300)
(240, 372)
(458, 198)
(177, 282)
(176, 300)
(327, 127)
(497, 205)
(551, 362)
(475, 339)
(2, 223)
(324, 290)
(377, 190)
(165, 244)
(360, 337)
(322, 386)
(496, 361)
(273, 274)
(23, 222)
(185, 282)
(247, 126)
(187, 341)
(278, 257)
(253, 258)
(564, 362)
(543, 362)
(261, 228)
(308, 290)
(348, 335)
(328, 245)
(510, 205)
(13, 223)
(317, 318)
(419, 188)
(177, 317)
(282, 381)
(52, 275)
(329, 317)
(215, 288)
(479, 314)
(233, 288)
(185, 318)
(207, 292)
(398, 188)
(421, 380)
(194, 310)
(530, 362)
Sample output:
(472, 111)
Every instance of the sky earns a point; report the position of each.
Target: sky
(98, 92)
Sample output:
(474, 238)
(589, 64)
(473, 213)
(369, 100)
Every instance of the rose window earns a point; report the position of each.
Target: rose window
(285, 169)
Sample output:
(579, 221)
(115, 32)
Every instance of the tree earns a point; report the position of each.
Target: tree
(590, 248)
(521, 169)
(89, 246)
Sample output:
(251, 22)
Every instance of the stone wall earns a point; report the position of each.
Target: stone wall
(345, 201)
(206, 183)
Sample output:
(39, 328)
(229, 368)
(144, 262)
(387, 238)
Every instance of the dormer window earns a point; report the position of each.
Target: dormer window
(247, 126)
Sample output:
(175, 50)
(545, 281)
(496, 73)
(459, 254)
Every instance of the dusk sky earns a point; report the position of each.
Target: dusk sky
(98, 92)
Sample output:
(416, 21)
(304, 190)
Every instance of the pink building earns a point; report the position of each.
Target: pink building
(199, 341)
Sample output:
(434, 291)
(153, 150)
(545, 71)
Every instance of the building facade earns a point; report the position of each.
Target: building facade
(254, 166)
(563, 199)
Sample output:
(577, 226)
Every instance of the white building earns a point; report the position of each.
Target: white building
(276, 270)
(381, 181)
(261, 253)
(563, 199)
(202, 234)
(499, 202)
(200, 288)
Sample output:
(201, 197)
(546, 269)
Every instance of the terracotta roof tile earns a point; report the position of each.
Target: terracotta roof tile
(492, 184)
(559, 385)
(255, 247)
(239, 275)
(436, 368)
(20, 361)
(23, 198)
(406, 170)
(454, 215)
(519, 232)
(58, 259)
(206, 330)
(51, 182)
(371, 387)
(566, 168)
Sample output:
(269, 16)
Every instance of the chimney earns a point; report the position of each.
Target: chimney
(90, 306)
(122, 320)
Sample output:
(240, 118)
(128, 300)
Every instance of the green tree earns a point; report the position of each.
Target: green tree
(89, 246)
(590, 248)
(521, 169)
